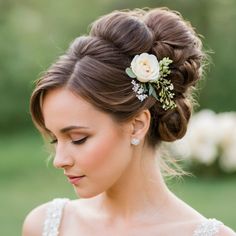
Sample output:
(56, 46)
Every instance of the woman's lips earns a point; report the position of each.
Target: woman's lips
(75, 179)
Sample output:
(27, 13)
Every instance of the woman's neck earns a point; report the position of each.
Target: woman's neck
(140, 191)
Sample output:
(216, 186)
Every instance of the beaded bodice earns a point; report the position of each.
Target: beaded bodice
(209, 227)
(53, 217)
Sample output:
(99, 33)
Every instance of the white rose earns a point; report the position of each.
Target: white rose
(146, 67)
(203, 136)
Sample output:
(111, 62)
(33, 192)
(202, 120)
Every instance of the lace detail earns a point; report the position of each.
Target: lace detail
(53, 217)
(209, 227)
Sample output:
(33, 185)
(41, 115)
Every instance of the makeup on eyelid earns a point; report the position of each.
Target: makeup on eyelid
(75, 137)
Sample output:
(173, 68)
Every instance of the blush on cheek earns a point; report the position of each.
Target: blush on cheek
(99, 152)
(102, 152)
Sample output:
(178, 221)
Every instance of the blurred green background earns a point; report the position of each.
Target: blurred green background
(33, 33)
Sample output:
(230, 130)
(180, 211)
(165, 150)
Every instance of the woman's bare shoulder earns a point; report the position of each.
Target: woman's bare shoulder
(33, 223)
(226, 231)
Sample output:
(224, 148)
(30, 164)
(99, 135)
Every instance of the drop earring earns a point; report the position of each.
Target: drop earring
(135, 141)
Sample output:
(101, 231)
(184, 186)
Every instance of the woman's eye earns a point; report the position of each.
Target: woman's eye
(80, 141)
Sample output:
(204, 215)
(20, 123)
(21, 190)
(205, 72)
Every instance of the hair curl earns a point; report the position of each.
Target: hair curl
(94, 67)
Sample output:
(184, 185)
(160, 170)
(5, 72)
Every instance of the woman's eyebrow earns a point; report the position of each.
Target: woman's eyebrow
(67, 129)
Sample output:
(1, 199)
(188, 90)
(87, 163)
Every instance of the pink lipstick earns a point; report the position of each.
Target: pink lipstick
(74, 179)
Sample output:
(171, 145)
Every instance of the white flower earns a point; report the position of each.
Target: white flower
(201, 139)
(210, 136)
(227, 126)
(203, 136)
(146, 67)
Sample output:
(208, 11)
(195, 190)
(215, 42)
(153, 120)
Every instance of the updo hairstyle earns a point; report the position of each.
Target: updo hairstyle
(94, 68)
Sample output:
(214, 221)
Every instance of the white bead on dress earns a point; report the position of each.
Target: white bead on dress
(53, 217)
(209, 227)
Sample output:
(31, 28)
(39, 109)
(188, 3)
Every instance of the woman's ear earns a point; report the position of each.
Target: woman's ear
(141, 124)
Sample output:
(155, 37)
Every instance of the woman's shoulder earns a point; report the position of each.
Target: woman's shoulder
(199, 224)
(226, 231)
(34, 222)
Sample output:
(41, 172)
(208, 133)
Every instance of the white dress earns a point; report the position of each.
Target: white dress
(209, 227)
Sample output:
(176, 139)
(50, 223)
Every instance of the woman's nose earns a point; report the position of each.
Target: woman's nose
(62, 157)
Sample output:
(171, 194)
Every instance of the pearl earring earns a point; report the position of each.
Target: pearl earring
(135, 141)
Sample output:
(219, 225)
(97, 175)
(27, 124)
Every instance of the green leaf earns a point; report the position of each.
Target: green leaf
(145, 88)
(151, 89)
(154, 95)
(130, 73)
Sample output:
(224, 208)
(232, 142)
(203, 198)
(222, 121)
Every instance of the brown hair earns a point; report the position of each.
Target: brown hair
(94, 68)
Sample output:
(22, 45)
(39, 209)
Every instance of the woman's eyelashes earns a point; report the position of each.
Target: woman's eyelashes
(77, 142)
(80, 141)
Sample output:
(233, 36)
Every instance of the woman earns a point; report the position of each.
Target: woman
(106, 105)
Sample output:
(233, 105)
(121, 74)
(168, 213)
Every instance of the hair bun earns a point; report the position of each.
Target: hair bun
(175, 38)
(125, 30)
(173, 124)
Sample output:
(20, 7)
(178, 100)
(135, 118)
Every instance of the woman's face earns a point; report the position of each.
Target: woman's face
(87, 142)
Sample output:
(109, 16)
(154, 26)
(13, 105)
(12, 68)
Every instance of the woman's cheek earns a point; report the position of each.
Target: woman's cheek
(98, 153)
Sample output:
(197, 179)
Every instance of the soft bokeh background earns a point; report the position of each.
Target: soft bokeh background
(33, 33)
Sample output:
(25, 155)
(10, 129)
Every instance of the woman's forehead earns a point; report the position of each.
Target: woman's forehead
(63, 108)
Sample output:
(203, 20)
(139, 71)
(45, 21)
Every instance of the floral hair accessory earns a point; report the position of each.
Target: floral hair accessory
(151, 76)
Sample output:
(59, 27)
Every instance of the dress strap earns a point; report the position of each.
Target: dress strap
(53, 217)
(209, 227)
